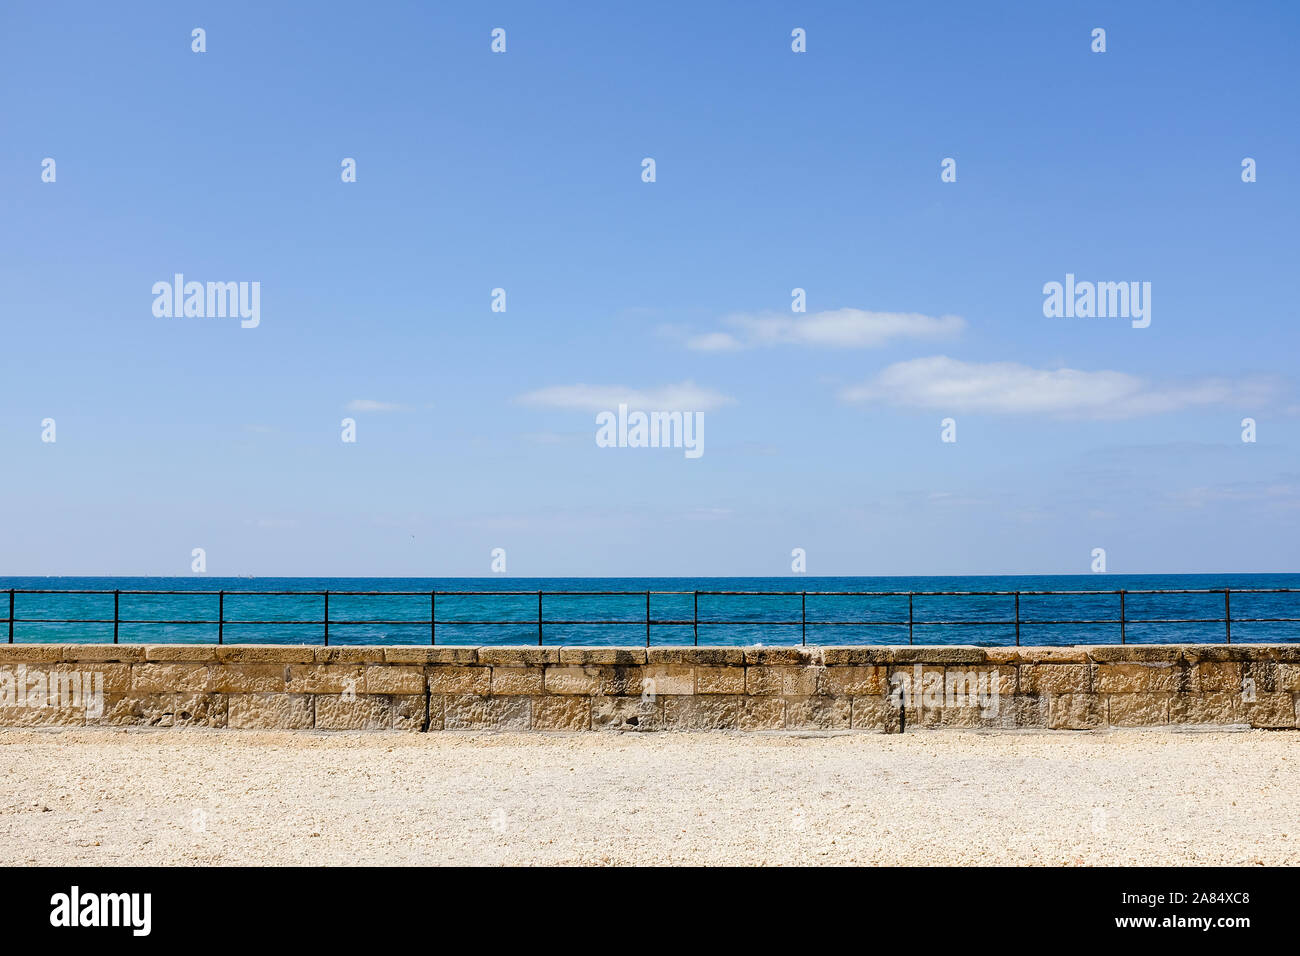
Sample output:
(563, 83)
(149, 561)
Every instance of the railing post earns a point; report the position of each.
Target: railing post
(909, 617)
(1017, 619)
(696, 624)
(116, 595)
(1227, 614)
(647, 618)
(433, 618)
(11, 615)
(1123, 619)
(221, 617)
(803, 614)
(539, 618)
(327, 618)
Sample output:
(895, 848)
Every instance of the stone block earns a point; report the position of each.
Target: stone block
(1138, 710)
(562, 713)
(508, 681)
(626, 713)
(457, 679)
(470, 712)
(270, 711)
(703, 712)
(818, 713)
(719, 680)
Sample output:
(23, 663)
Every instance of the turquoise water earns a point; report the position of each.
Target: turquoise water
(620, 619)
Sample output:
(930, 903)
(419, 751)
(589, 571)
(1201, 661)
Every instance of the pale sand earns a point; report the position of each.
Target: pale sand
(223, 797)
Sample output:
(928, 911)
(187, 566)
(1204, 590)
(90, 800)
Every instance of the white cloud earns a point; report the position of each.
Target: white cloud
(838, 328)
(370, 405)
(684, 396)
(946, 384)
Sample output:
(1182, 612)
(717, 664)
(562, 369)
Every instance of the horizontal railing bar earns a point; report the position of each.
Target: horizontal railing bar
(533, 593)
(655, 622)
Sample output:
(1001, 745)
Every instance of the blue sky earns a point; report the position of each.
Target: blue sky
(522, 171)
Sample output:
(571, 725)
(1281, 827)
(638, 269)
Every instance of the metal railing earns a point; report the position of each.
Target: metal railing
(803, 622)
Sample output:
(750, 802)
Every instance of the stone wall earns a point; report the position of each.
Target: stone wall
(880, 689)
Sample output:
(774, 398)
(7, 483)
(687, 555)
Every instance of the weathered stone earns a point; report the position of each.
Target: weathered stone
(392, 679)
(762, 713)
(435, 709)
(349, 654)
(939, 654)
(820, 713)
(855, 681)
(1215, 707)
(1210, 676)
(1055, 679)
(719, 680)
(1138, 710)
(146, 710)
(703, 712)
(1132, 653)
(520, 656)
(353, 712)
(801, 681)
(915, 684)
(181, 652)
(443, 654)
(323, 678)
(171, 678)
(1269, 710)
(562, 713)
(1003, 655)
(454, 679)
(854, 656)
(764, 681)
(875, 713)
(266, 653)
(518, 680)
(468, 712)
(626, 681)
(15, 716)
(998, 680)
(199, 710)
(36, 653)
(1075, 711)
(612, 656)
(1030, 712)
(1260, 676)
(411, 712)
(572, 679)
(626, 713)
(1055, 655)
(1134, 678)
(969, 717)
(669, 679)
(1287, 678)
(102, 652)
(759, 656)
(249, 678)
(697, 656)
(270, 711)
(76, 677)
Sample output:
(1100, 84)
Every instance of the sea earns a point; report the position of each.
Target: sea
(796, 609)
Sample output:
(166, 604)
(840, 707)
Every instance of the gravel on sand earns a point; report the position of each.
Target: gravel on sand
(96, 797)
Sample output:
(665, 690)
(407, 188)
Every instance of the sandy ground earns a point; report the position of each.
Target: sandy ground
(88, 797)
